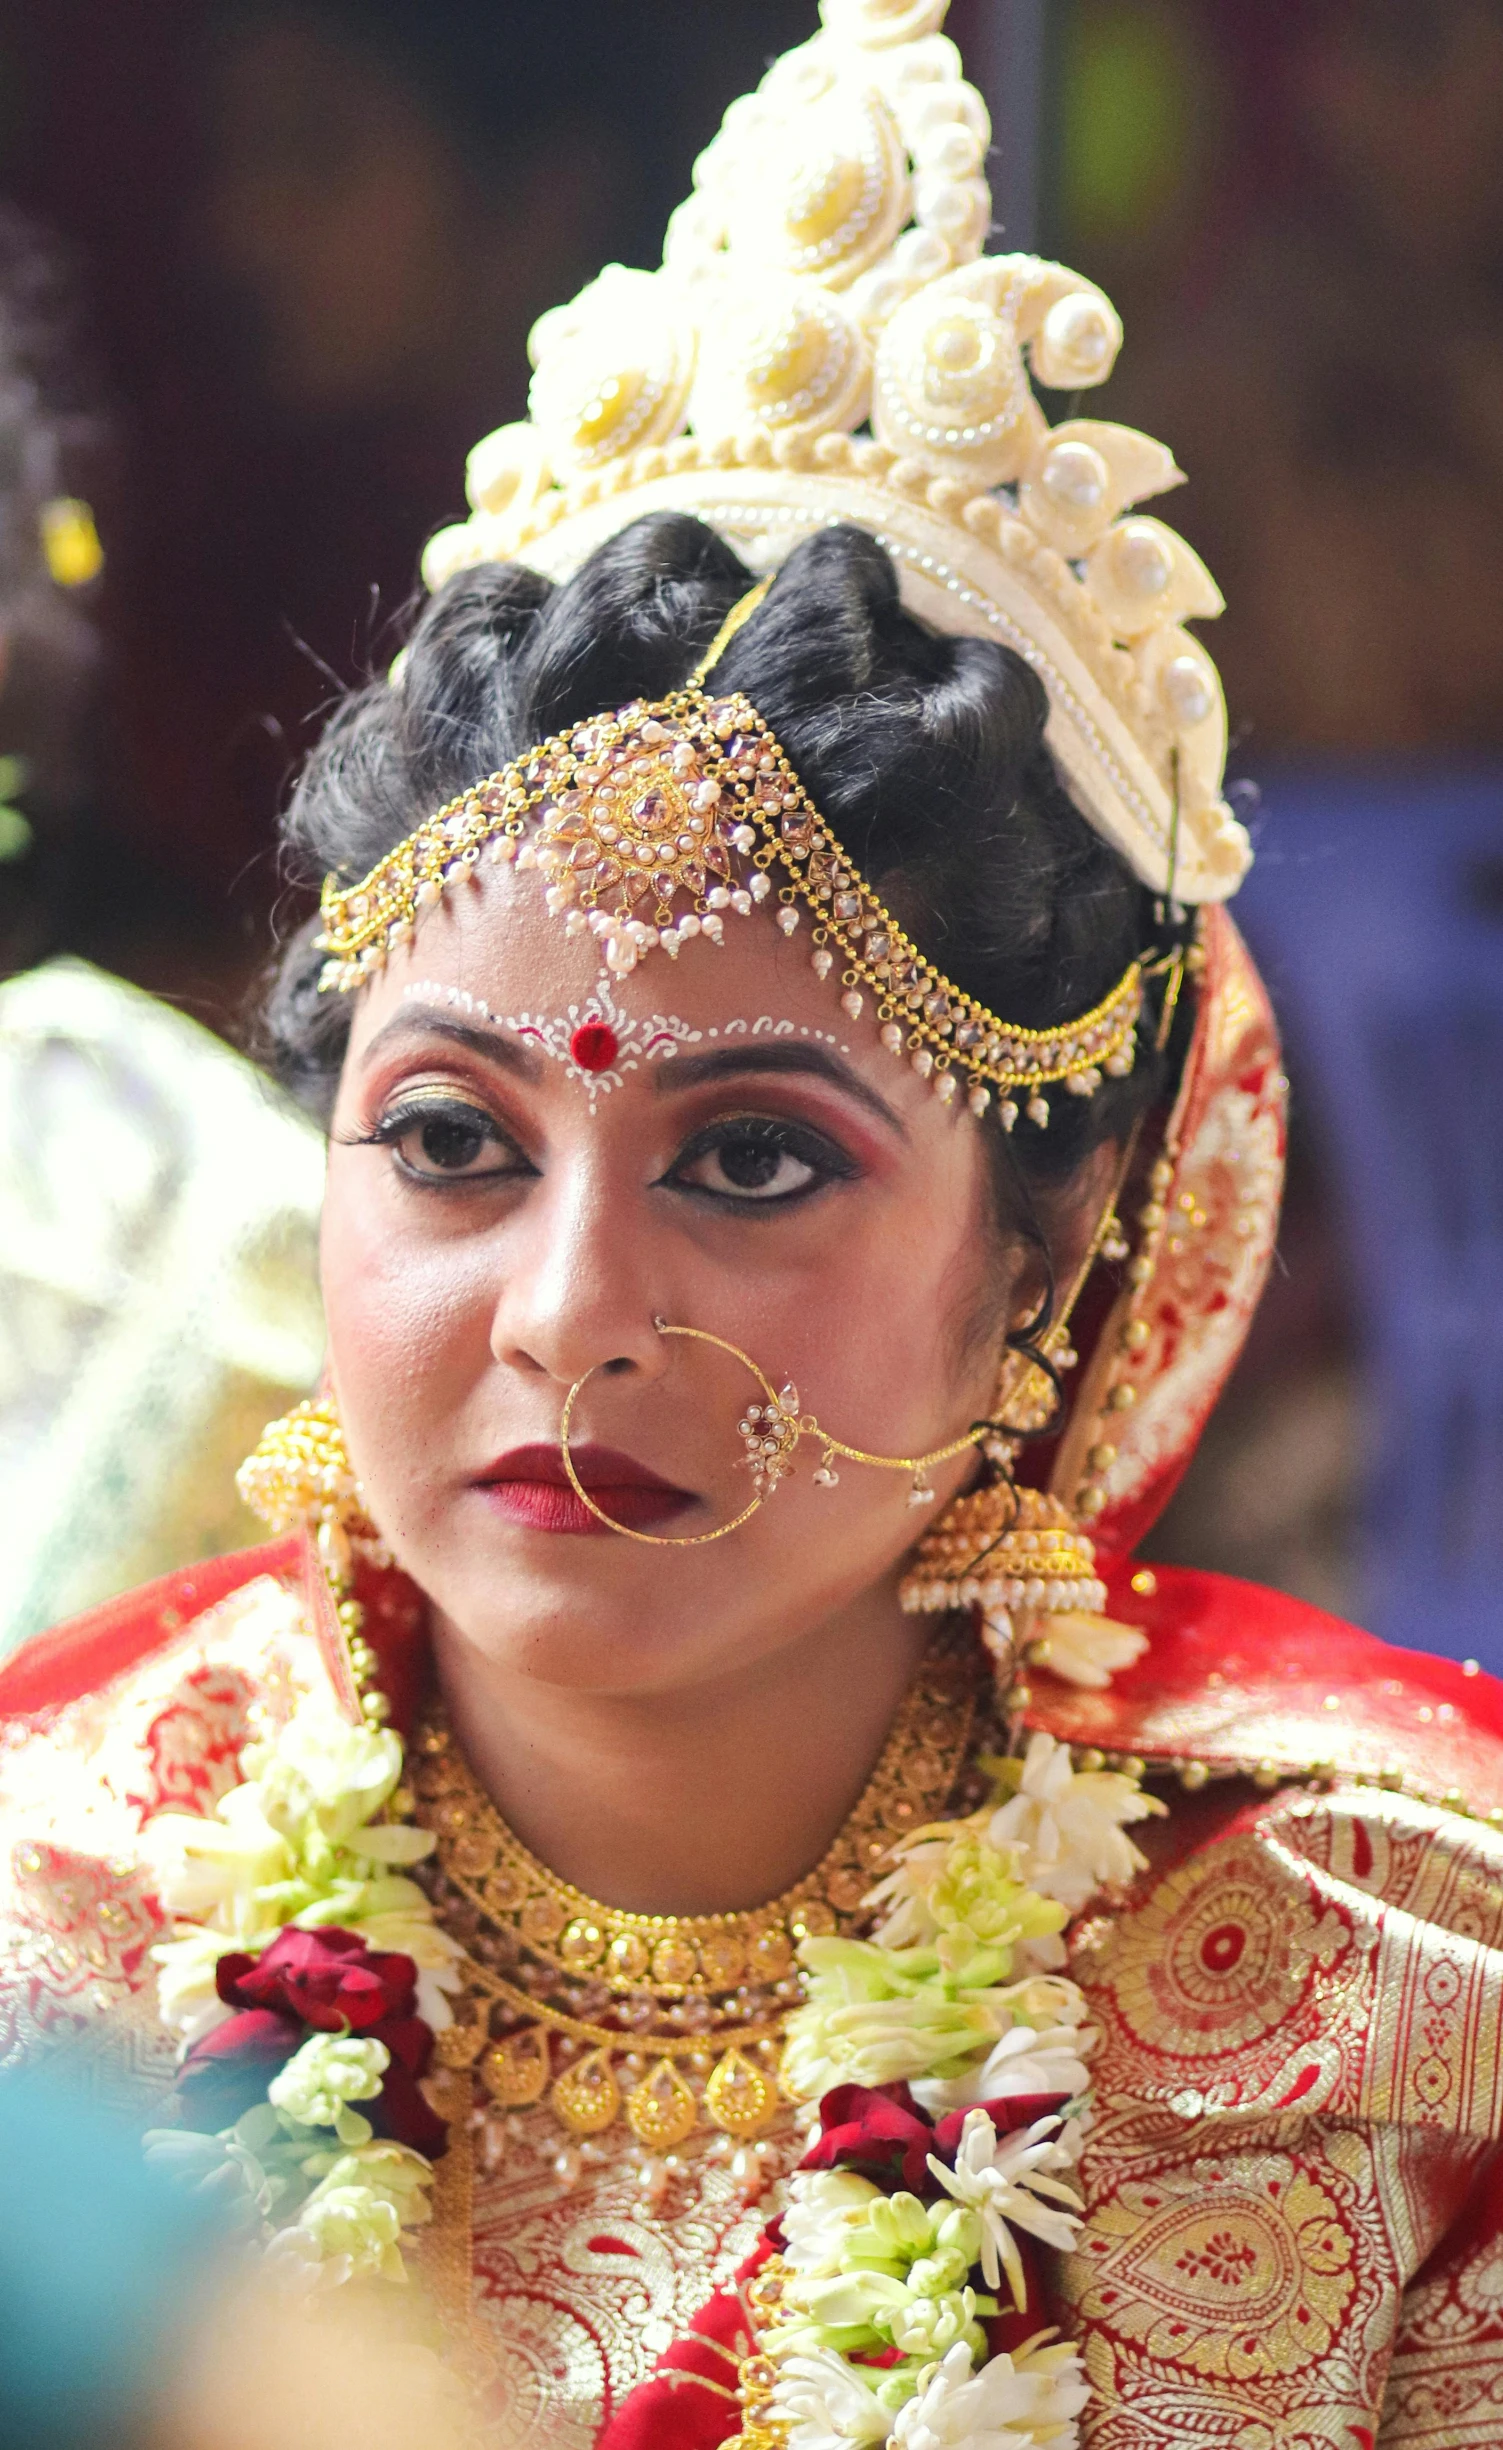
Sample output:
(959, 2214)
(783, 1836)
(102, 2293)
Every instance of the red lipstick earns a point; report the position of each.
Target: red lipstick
(528, 1486)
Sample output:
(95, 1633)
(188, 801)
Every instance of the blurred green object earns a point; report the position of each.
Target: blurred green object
(1130, 102)
(15, 832)
(159, 1298)
(105, 2268)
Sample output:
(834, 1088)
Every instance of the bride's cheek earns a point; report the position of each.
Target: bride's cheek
(407, 1319)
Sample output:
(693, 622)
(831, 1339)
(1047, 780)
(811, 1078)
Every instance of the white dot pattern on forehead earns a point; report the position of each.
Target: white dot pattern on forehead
(598, 1042)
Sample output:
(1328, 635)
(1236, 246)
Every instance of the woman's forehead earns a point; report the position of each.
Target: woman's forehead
(495, 962)
(497, 950)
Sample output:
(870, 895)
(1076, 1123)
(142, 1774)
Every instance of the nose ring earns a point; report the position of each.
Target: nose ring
(763, 1482)
(771, 1431)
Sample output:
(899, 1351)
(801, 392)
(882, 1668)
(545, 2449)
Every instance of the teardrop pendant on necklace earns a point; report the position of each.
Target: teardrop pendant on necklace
(587, 2096)
(740, 2098)
(661, 2110)
(515, 2072)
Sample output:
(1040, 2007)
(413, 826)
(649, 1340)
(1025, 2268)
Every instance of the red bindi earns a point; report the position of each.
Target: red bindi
(594, 1046)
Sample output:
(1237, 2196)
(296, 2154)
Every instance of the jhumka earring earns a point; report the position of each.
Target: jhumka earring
(1019, 1558)
(1017, 1555)
(771, 1432)
(299, 1479)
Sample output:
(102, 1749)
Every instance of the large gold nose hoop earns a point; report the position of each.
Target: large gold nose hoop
(771, 1432)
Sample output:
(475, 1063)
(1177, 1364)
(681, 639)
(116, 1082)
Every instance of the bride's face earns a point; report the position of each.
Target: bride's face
(500, 1224)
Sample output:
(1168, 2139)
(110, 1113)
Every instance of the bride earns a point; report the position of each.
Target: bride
(695, 1847)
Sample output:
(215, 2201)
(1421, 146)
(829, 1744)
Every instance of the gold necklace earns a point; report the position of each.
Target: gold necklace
(673, 2020)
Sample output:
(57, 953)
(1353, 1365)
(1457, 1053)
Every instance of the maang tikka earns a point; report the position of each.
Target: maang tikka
(651, 825)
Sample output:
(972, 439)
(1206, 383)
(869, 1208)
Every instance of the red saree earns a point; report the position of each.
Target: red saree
(1294, 2229)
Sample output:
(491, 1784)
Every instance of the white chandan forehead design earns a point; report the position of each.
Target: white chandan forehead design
(598, 1042)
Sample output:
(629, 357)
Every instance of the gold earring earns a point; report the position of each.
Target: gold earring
(298, 1478)
(1012, 1553)
(1021, 1561)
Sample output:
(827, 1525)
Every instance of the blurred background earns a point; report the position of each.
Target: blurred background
(267, 269)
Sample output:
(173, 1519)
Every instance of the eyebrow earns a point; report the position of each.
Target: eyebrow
(684, 1072)
(427, 1021)
(692, 1071)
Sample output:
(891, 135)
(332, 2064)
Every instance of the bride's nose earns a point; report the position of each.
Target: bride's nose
(580, 1290)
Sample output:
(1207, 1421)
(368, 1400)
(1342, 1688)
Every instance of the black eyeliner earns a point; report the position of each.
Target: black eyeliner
(829, 1162)
(413, 1112)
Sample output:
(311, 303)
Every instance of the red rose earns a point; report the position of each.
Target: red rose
(330, 1979)
(401, 2111)
(881, 2131)
(227, 2071)
(878, 2131)
(331, 1982)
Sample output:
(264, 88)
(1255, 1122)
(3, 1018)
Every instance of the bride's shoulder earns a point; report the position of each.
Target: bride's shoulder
(93, 1653)
(1236, 1677)
(146, 1706)
(142, 1706)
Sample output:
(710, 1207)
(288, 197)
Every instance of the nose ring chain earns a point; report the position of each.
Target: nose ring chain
(771, 1431)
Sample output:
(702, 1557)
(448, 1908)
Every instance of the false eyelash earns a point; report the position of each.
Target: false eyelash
(401, 1120)
(408, 1116)
(830, 1163)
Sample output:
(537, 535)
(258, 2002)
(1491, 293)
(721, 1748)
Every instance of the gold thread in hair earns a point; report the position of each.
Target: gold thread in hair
(736, 619)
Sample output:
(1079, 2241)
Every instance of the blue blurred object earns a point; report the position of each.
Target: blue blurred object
(104, 2265)
(1375, 908)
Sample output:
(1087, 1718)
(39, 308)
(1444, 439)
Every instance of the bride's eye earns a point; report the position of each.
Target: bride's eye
(446, 1139)
(759, 1158)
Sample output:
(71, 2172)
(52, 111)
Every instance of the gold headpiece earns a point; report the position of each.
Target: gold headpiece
(826, 342)
(693, 797)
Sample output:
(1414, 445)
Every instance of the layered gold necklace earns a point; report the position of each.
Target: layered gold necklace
(673, 2022)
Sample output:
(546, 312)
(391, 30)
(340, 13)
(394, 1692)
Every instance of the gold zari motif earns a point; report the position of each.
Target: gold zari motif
(1300, 2060)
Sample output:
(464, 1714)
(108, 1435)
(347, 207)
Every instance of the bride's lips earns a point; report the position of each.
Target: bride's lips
(529, 1486)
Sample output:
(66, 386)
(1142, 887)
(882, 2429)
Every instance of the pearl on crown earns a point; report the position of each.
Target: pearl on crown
(1186, 692)
(1141, 574)
(1077, 343)
(829, 190)
(613, 369)
(1076, 476)
(950, 387)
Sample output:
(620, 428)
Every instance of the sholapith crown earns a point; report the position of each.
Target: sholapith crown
(824, 342)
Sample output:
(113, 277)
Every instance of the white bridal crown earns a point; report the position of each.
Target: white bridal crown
(826, 342)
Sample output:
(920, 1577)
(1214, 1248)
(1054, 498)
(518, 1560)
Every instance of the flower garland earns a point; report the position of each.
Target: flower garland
(948, 2058)
(305, 1974)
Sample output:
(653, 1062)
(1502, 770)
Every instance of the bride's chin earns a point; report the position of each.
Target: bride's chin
(584, 1634)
